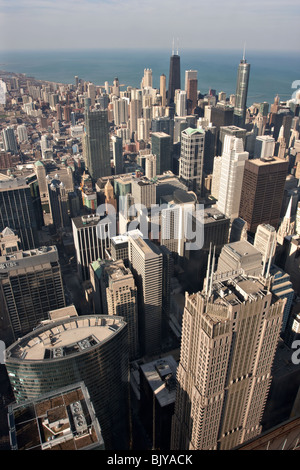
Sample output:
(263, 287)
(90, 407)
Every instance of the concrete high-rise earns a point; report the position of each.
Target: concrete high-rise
(262, 192)
(146, 263)
(97, 155)
(231, 176)
(92, 349)
(9, 140)
(22, 133)
(239, 115)
(229, 338)
(191, 158)
(115, 287)
(162, 90)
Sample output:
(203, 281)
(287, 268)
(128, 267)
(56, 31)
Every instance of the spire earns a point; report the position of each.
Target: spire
(177, 47)
(173, 47)
(244, 51)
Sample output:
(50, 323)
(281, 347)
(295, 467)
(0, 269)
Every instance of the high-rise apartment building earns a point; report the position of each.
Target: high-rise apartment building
(30, 286)
(191, 158)
(229, 338)
(17, 211)
(9, 140)
(162, 90)
(135, 112)
(240, 106)
(92, 349)
(231, 176)
(262, 191)
(120, 109)
(147, 79)
(97, 155)
(22, 133)
(146, 263)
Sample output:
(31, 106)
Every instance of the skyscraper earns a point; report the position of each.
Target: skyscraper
(162, 148)
(90, 241)
(17, 211)
(30, 286)
(231, 176)
(92, 349)
(174, 76)
(9, 140)
(229, 339)
(114, 283)
(97, 155)
(262, 191)
(162, 89)
(191, 158)
(240, 106)
(146, 262)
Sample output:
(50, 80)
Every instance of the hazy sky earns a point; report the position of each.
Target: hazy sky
(209, 24)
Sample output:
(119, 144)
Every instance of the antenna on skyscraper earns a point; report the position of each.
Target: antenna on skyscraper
(177, 45)
(244, 51)
(173, 47)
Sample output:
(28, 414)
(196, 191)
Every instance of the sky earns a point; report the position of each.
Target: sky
(195, 24)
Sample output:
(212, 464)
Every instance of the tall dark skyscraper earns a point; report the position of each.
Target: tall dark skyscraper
(241, 93)
(174, 76)
(17, 211)
(97, 153)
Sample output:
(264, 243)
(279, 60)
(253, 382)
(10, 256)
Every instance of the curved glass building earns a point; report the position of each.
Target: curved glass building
(92, 349)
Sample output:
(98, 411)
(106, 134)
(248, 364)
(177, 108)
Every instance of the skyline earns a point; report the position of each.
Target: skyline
(44, 24)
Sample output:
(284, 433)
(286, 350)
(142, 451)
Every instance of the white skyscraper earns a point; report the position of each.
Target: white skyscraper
(264, 146)
(181, 103)
(231, 176)
(265, 241)
(147, 79)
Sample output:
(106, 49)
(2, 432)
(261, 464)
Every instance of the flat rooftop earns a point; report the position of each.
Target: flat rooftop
(68, 336)
(161, 376)
(60, 420)
(28, 259)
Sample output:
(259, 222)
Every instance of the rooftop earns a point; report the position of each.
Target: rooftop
(60, 420)
(66, 336)
(161, 376)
